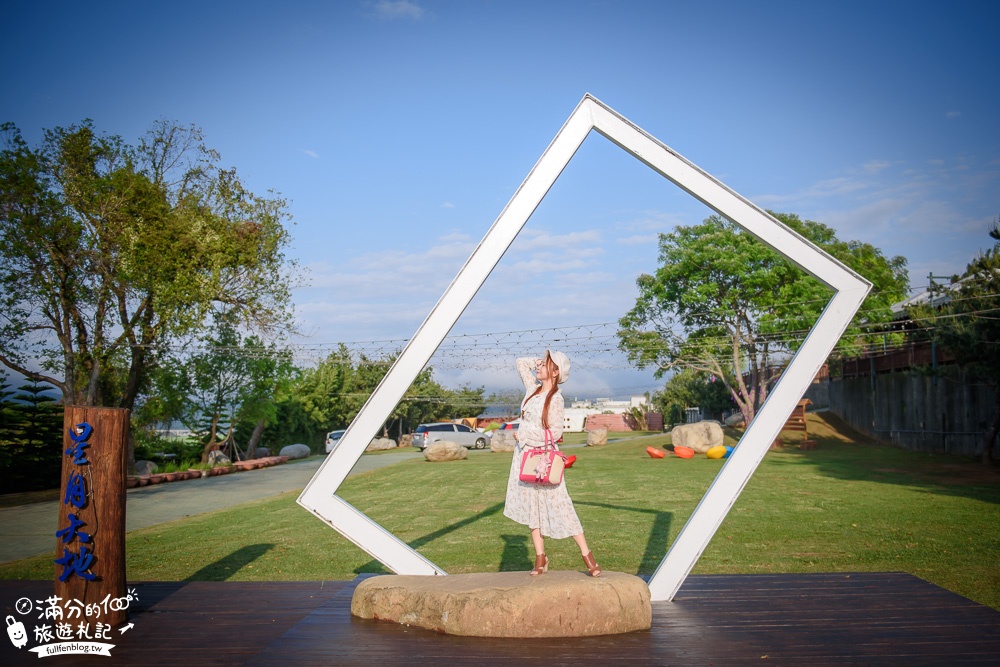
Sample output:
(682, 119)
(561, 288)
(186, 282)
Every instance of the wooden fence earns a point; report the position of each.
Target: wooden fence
(943, 412)
(912, 355)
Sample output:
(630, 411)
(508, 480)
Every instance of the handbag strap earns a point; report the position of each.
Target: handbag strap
(550, 440)
(550, 443)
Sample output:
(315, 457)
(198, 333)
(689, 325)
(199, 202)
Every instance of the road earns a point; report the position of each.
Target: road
(29, 530)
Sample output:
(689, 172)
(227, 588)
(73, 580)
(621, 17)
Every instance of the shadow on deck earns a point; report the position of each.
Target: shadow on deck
(803, 619)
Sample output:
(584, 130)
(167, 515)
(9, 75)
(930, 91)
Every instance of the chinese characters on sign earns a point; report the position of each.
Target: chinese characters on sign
(76, 563)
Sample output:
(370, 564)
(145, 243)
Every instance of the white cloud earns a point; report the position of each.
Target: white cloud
(312, 154)
(646, 227)
(639, 239)
(875, 166)
(953, 114)
(577, 241)
(383, 273)
(447, 204)
(654, 221)
(870, 221)
(547, 280)
(387, 293)
(833, 187)
(335, 320)
(540, 256)
(934, 213)
(391, 10)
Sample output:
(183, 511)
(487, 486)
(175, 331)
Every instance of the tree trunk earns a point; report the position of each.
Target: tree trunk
(93, 383)
(258, 431)
(134, 380)
(211, 443)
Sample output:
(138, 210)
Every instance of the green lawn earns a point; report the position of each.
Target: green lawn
(850, 505)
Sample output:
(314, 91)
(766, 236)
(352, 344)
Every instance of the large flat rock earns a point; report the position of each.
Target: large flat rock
(509, 604)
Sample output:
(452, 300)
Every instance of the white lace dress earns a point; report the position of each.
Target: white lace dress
(548, 508)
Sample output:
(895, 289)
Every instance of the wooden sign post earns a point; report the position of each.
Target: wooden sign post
(90, 537)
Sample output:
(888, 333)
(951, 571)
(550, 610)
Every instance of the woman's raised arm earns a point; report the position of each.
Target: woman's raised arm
(525, 368)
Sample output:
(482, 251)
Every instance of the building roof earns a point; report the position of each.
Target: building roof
(941, 295)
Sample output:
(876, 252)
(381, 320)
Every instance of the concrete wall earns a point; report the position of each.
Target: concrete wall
(574, 421)
(946, 414)
(610, 422)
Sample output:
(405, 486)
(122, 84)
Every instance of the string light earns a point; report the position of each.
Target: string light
(591, 346)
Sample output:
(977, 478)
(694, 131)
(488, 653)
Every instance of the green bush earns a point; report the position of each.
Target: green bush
(149, 445)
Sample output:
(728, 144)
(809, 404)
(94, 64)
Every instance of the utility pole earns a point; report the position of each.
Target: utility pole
(931, 285)
(930, 303)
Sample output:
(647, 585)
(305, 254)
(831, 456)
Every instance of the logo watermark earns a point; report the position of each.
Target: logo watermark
(67, 627)
(73, 648)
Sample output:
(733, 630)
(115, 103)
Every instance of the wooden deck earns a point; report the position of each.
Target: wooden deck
(800, 619)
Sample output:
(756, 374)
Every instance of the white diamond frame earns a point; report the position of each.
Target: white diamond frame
(850, 289)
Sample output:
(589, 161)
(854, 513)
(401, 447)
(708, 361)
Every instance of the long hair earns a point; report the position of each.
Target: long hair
(551, 365)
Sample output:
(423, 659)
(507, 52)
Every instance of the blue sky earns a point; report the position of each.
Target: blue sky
(398, 130)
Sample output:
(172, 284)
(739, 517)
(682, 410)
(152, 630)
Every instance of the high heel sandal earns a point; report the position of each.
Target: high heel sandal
(592, 566)
(541, 565)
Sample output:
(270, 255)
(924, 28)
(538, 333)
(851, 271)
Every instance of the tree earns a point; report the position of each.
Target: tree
(41, 418)
(330, 396)
(426, 400)
(30, 437)
(108, 252)
(9, 432)
(508, 402)
(467, 401)
(638, 418)
(8, 421)
(969, 327)
(688, 389)
(229, 380)
(724, 304)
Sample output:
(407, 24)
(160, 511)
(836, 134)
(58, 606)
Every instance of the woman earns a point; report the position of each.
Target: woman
(546, 510)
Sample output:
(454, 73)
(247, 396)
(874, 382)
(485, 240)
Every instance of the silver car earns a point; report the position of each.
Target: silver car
(333, 439)
(427, 434)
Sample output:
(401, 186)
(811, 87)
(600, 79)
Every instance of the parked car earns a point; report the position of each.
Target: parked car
(510, 428)
(333, 439)
(427, 434)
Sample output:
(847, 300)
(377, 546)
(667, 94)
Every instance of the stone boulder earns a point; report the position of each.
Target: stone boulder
(445, 450)
(735, 420)
(597, 437)
(262, 453)
(406, 440)
(217, 458)
(295, 452)
(145, 468)
(379, 444)
(700, 436)
(502, 442)
(559, 603)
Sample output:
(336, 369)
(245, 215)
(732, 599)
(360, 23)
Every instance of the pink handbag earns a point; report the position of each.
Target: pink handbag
(543, 465)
